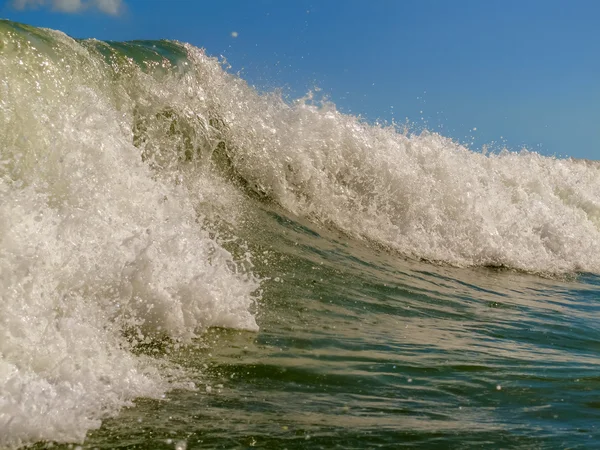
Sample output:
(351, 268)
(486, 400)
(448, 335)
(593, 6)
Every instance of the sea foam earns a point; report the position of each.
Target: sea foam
(422, 195)
(99, 252)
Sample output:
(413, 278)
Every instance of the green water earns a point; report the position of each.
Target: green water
(360, 348)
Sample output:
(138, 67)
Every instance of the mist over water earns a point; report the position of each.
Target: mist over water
(130, 179)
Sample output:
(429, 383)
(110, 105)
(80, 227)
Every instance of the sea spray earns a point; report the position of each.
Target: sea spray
(98, 250)
(424, 196)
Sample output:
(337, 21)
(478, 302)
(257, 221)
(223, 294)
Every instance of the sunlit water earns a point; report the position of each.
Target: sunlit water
(187, 263)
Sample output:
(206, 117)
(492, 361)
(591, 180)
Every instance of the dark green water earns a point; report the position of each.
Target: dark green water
(361, 349)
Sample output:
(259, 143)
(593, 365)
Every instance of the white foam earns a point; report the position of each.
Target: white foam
(94, 244)
(423, 195)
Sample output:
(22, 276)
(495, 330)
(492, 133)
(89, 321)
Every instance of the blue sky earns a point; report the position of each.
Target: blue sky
(481, 71)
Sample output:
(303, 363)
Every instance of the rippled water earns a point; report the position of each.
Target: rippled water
(359, 348)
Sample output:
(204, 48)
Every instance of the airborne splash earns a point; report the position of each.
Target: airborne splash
(95, 244)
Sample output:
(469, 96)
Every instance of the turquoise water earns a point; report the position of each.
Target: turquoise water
(188, 263)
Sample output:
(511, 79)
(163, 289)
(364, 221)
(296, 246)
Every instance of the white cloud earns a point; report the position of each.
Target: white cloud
(24, 4)
(111, 7)
(68, 6)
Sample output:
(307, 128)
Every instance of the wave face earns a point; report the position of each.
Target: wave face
(125, 166)
(424, 196)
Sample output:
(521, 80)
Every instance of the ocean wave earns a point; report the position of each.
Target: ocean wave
(99, 252)
(120, 164)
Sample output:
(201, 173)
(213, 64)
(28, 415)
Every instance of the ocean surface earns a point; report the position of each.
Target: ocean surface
(187, 262)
